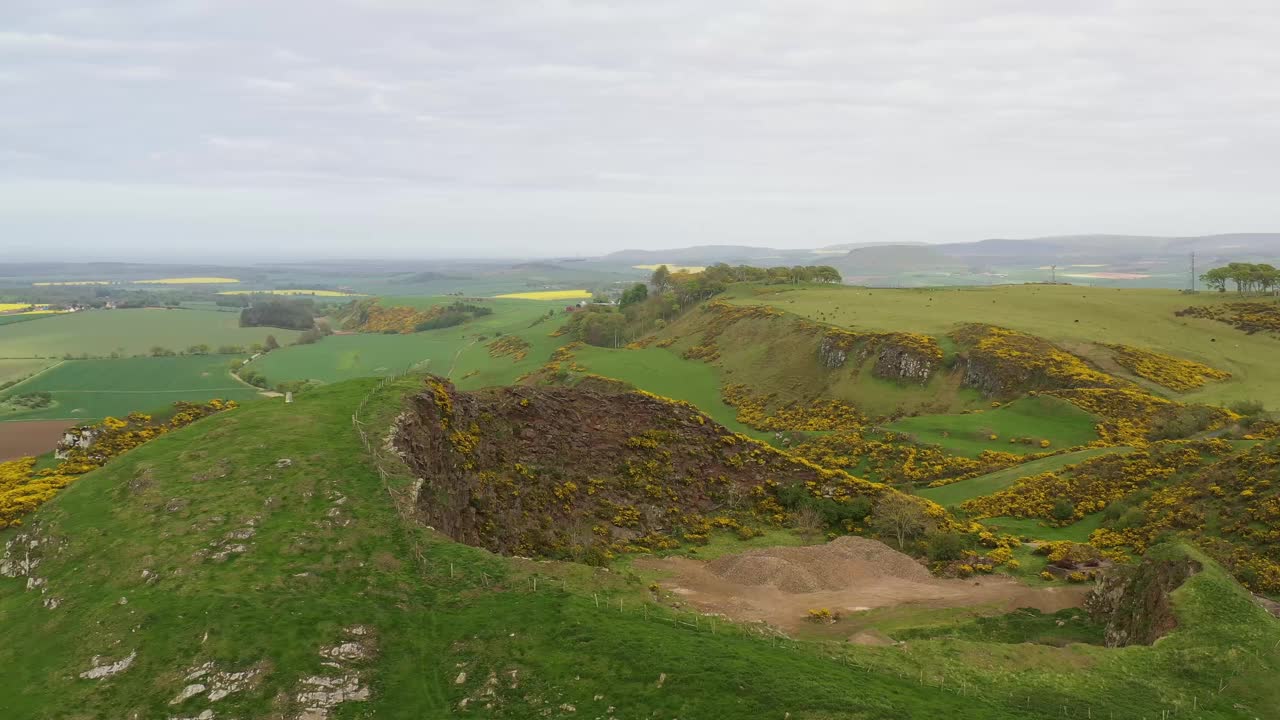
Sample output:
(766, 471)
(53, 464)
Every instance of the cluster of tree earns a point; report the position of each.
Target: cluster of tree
(314, 334)
(599, 325)
(454, 314)
(1248, 277)
(281, 312)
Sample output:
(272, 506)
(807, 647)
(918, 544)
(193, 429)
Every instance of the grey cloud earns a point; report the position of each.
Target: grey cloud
(581, 125)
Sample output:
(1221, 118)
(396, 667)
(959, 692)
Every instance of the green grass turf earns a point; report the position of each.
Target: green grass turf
(662, 372)
(13, 370)
(99, 333)
(460, 352)
(1034, 528)
(92, 389)
(955, 493)
(1076, 316)
(12, 319)
(438, 609)
(1058, 421)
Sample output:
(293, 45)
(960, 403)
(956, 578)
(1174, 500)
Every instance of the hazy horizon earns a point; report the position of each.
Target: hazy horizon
(211, 131)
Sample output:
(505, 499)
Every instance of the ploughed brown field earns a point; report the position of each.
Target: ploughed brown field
(32, 437)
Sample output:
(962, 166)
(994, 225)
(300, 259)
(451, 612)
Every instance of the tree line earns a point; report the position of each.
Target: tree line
(647, 306)
(1248, 277)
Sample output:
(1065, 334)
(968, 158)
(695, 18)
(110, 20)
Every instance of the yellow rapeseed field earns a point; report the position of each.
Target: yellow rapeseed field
(672, 268)
(10, 307)
(317, 293)
(548, 295)
(187, 281)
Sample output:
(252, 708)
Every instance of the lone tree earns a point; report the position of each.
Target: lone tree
(899, 516)
(271, 343)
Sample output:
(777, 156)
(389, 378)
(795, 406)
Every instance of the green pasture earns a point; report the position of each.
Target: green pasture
(1078, 531)
(953, 494)
(99, 333)
(460, 352)
(92, 389)
(662, 372)
(14, 370)
(1064, 425)
(1076, 316)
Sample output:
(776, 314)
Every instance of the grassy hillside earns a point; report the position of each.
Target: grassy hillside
(93, 389)
(956, 493)
(129, 332)
(1041, 418)
(203, 546)
(1075, 316)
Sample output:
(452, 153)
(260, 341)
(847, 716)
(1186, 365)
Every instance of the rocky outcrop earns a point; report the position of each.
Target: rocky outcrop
(566, 472)
(898, 356)
(1134, 601)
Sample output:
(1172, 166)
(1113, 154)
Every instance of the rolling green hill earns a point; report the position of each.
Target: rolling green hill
(255, 562)
(1077, 317)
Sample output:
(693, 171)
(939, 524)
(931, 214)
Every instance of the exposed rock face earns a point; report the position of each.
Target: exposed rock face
(536, 470)
(1134, 600)
(898, 356)
(899, 363)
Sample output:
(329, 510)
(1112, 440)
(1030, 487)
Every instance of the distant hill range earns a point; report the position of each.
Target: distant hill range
(996, 257)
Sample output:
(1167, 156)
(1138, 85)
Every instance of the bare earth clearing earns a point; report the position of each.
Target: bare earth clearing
(849, 574)
(22, 439)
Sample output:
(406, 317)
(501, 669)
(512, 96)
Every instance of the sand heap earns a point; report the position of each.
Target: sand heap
(844, 562)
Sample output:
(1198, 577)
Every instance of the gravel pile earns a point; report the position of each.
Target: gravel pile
(845, 561)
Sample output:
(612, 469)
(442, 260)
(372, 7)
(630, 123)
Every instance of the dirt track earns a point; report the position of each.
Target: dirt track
(20, 439)
(849, 574)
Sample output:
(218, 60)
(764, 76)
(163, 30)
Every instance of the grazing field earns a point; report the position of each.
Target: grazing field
(28, 439)
(93, 389)
(461, 352)
(662, 372)
(548, 295)
(1061, 423)
(956, 493)
(129, 332)
(1075, 316)
(13, 370)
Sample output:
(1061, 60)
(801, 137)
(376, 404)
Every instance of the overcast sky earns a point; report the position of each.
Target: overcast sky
(362, 128)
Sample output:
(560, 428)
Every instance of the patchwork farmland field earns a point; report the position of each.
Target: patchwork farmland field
(460, 351)
(30, 438)
(14, 370)
(92, 389)
(129, 332)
